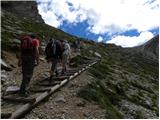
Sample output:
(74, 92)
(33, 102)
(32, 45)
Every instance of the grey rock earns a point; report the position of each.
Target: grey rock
(86, 115)
(23, 9)
(81, 103)
(4, 66)
(3, 76)
(60, 99)
(97, 54)
(148, 103)
(12, 89)
(91, 51)
(16, 41)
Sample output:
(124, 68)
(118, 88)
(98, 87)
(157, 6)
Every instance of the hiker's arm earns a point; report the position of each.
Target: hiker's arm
(18, 55)
(37, 54)
(19, 59)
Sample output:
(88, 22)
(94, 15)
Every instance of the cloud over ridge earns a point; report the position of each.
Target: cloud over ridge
(103, 16)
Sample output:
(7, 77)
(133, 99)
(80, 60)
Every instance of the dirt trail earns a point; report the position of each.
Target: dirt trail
(66, 104)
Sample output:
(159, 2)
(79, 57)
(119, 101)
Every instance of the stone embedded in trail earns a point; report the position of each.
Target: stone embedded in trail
(4, 76)
(42, 59)
(12, 89)
(4, 66)
(60, 98)
(81, 103)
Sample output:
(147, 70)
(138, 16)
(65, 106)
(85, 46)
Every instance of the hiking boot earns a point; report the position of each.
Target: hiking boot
(63, 73)
(57, 73)
(23, 94)
(50, 79)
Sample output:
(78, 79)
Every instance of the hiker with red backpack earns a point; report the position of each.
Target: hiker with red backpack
(29, 57)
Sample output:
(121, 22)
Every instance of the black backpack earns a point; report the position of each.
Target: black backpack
(53, 50)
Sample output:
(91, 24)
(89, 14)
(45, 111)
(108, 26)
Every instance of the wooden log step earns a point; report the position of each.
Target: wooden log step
(83, 65)
(19, 99)
(61, 77)
(5, 115)
(40, 89)
(46, 83)
(72, 70)
(69, 74)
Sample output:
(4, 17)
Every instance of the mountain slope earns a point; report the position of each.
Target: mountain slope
(23, 9)
(20, 18)
(124, 82)
(150, 49)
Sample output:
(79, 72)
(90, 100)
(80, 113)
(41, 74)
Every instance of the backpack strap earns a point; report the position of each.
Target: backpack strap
(54, 47)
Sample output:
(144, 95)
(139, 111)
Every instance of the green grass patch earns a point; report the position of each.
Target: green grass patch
(97, 92)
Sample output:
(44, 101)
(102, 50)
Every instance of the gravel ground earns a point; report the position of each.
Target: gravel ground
(65, 104)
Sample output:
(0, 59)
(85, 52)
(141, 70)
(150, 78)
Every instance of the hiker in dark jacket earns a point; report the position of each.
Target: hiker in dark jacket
(29, 56)
(53, 54)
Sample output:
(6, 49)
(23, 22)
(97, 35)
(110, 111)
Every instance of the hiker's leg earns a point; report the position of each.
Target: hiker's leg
(27, 72)
(64, 63)
(24, 78)
(51, 71)
(30, 70)
(56, 66)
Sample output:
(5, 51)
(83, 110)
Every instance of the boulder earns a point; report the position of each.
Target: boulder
(97, 54)
(4, 66)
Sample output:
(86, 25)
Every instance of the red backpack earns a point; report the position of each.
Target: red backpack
(27, 46)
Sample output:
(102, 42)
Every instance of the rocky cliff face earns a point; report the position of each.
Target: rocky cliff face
(149, 50)
(21, 18)
(152, 46)
(23, 9)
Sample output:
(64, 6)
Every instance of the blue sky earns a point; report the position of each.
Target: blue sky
(126, 23)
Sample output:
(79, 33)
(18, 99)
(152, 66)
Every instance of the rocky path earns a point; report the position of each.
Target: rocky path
(66, 104)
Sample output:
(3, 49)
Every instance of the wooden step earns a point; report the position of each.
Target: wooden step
(40, 89)
(47, 83)
(59, 78)
(19, 99)
(5, 115)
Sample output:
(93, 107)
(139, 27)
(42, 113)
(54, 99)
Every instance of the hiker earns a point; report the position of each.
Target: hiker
(78, 44)
(53, 54)
(65, 56)
(29, 58)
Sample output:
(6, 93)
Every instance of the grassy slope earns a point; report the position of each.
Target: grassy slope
(13, 26)
(125, 84)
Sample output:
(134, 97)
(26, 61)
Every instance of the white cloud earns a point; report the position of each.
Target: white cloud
(127, 41)
(100, 39)
(105, 17)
